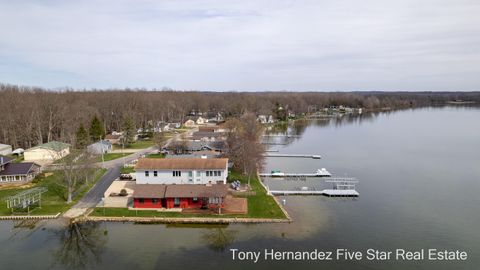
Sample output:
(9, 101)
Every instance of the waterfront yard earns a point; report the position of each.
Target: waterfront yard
(54, 200)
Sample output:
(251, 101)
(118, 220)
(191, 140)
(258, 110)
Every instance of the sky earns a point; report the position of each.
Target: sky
(335, 45)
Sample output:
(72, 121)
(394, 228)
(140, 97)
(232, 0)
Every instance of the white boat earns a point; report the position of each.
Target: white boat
(323, 172)
(277, 173)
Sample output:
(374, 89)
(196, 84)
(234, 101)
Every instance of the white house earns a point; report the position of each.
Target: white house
(5, 149)
(100, 147)
(48, 151)
(181, 171)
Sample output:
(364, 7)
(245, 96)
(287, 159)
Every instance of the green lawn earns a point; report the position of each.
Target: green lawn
(260, 205)
(127, 169)
(112, 156)
(54, 200)
(142, 144)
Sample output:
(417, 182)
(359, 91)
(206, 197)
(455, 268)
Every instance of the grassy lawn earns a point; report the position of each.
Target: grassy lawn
(54, 200)
(127, 169)
(260, 205)
(136, 145)
(112, 156)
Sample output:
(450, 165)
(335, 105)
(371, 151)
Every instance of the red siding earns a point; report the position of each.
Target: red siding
(170, 203)
(147, 203)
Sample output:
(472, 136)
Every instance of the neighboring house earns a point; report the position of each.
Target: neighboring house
(219, 146)
(265, 119)
(179, 196)
(201, 121)
(100, 147)
(48, 151)
(17, 172)
(189, 123)
(208, 136)
(193, 121)
(181, 171)
(5, 149)
(113, 138)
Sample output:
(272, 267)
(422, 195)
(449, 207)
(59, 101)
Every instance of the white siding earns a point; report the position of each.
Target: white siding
(166, 177)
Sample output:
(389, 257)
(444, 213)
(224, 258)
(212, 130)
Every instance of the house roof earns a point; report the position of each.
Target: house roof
(18, 168)
(159, 191)
(207, 129)
(101, 143)
(202, 134)
(53, 145)
(191, 191)
(218, 145)
(6, 146)
(5, 160)
(149, 191)
(181, 163)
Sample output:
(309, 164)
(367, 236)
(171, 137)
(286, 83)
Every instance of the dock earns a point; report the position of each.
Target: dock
(325, 192)
(282, 135)
(293, 155)
(319, 173)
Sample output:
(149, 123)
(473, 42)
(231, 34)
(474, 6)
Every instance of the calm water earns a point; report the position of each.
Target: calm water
(419, 174)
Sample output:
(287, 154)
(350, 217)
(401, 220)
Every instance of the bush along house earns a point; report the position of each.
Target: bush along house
(180, 183)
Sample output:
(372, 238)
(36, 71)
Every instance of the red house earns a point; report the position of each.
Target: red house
(179, 196)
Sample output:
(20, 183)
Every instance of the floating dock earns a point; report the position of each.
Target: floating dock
(282, 135)
(293, 155)
(319, 173)
(325, 192)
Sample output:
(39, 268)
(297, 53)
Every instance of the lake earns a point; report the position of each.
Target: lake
(419, 175)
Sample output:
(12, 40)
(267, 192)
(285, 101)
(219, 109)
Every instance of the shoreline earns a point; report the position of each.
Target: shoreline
(186, 220)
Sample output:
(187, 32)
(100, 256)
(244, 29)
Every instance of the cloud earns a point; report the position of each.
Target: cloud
(240, 45)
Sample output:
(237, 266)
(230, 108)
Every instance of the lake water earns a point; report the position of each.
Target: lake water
(419, 173)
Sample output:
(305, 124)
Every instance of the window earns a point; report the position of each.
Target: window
(209, 173)
(218, 173)
(154, 201)
(190, 174)
(177, 173)
(176, 202)
(146, 173)
(194, 199)
(141, 200)
(199, 173)
(155, 173)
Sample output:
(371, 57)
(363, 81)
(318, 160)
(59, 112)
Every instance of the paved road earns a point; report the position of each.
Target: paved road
(94, 195)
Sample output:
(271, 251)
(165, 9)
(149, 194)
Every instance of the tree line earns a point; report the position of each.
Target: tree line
(32, 115)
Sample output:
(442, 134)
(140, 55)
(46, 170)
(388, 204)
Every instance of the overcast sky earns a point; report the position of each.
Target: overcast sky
(332, 45)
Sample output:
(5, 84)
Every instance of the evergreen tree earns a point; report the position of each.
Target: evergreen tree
(81, 137)
(128, 130)
(96, 129)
